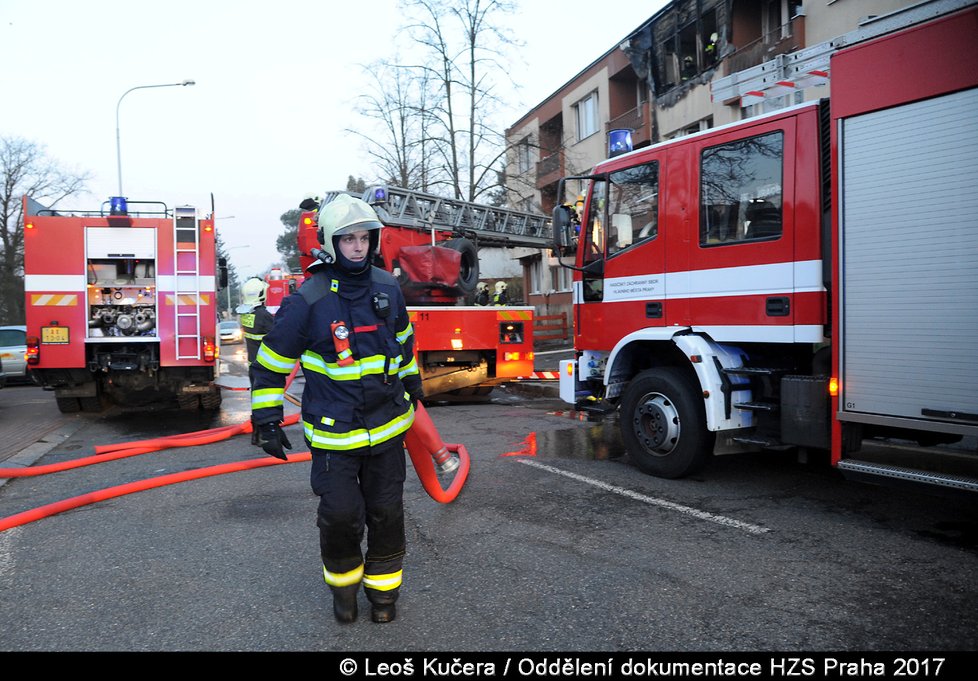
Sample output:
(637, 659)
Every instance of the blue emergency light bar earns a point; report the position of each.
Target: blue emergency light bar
(118, 205)
(619, 142)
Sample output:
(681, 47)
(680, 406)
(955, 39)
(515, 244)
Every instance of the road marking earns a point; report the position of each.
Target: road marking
(653, 501)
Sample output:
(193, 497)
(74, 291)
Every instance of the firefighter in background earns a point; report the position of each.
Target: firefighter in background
(482, 294)
(500, 297)
(257, 321)
(349, 327)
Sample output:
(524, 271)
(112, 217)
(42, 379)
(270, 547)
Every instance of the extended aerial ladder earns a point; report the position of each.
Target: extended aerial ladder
(487, 225)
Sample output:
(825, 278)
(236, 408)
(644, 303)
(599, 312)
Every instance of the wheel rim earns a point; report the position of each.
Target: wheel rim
(656, 424)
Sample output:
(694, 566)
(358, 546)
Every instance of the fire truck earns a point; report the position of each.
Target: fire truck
(280, 285)
(802, 281)
(121, 305)
(431, 245)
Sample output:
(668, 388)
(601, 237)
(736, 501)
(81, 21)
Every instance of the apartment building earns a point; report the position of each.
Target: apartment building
(693, 65)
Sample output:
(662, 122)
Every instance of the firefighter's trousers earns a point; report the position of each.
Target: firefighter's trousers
(357, 492)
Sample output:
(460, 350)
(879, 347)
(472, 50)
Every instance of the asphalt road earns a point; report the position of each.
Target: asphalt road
(557, 543)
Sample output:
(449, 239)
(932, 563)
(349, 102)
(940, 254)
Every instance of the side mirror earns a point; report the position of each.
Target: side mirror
(564, 244)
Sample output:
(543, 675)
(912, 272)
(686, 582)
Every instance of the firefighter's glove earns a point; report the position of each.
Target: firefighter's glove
(271, 438)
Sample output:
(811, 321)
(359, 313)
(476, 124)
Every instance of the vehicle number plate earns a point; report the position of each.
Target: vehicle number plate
(54, 335)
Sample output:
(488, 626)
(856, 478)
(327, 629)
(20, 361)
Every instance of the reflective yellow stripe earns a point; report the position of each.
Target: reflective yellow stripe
(386, 582)
(343, 578)
(267, 397)
(360, 367)
(408, 369)
(254, 336)
(273, 361)
(405, 334)
(361, 437)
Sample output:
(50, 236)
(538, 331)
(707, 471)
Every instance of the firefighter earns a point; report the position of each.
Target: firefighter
(482, 293)
(348, 325)
(258, 320)
(500, 297)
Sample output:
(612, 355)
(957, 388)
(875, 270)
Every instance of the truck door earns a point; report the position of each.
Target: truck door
(740, 281)
(622, 285)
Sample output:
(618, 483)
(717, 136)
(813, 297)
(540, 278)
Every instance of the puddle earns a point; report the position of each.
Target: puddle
(596, 443)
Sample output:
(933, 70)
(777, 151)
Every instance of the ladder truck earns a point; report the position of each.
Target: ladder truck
(121, 305)
(803, 281)
(430, 244)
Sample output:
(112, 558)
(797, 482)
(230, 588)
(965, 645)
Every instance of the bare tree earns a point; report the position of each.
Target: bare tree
(463, 47)
(397, 101)
(27, 170)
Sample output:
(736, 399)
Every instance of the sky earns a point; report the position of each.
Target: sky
(268, 119)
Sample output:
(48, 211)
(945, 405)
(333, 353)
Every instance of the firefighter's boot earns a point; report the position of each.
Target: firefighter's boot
(382, 608)
(345, 602)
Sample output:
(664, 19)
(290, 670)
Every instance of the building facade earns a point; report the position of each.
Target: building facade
(693, 65)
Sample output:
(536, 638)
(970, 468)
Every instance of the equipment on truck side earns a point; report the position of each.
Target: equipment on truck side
(121, 304)
(799, 281)
(430, 244)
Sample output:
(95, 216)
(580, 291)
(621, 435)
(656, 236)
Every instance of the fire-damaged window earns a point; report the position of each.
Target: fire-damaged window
(741, 190)
(686, 48)
(633, 207)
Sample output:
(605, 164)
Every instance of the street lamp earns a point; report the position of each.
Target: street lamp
(118, 146)
(229, 258)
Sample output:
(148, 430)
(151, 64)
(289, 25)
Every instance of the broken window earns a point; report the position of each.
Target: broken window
(710, 39)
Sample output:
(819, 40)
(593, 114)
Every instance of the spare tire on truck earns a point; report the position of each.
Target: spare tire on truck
(468, 273)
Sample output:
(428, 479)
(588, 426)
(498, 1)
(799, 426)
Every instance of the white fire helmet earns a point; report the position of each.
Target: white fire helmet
(345, 215)
(500, 286)
(253, 292)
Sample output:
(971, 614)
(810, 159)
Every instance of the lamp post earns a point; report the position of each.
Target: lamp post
(232, 248)
(118, 146)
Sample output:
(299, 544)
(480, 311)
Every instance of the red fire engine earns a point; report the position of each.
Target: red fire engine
(121, 304)
(280, 285)
(430, 244)
(805, 280)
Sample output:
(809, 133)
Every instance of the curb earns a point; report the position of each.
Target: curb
(29, 455)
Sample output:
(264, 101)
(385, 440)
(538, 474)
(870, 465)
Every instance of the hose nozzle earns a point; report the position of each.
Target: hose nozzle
(445, 462)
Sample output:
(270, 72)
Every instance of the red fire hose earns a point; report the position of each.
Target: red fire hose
(423, 443)
(139, 486)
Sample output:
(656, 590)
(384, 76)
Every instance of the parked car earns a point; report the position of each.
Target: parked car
(3, 376)
(231, 332)
(13, 346)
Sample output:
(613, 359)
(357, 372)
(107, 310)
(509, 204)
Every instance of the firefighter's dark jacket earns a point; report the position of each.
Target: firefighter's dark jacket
(255, 325)
(346, 406)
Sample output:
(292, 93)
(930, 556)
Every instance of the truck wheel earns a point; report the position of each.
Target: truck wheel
(468, 274)
(91, 404)
(188, 402)
(211, 401)
(68, 405)
(663, 424)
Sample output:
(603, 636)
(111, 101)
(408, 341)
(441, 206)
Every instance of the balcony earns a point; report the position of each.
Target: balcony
(782, 40)
(636, 120)
(550, 169)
